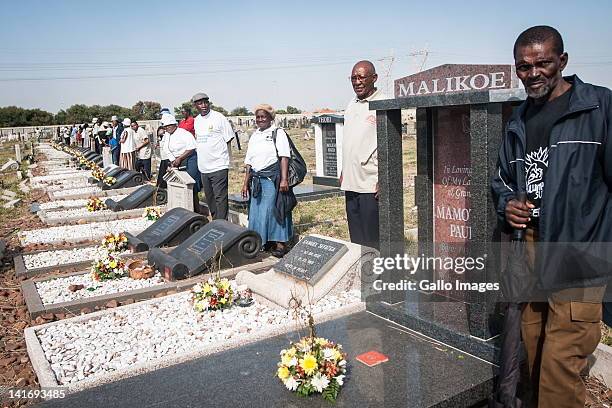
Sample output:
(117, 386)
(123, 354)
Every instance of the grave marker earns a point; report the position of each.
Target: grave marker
(128, 178)
(328, 148)
(18, 157)
(180, 189)
(233, 244)
(311, 258)
(460, 113)
(144, 196)
(172, 228)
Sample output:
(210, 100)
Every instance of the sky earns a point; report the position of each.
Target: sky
(58, 53)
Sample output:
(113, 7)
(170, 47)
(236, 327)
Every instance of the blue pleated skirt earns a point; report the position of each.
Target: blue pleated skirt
(261, 216)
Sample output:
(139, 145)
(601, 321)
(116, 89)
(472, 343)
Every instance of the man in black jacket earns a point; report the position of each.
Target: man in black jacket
(556, 150)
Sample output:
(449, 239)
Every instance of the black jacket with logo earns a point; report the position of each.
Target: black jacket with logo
(575, 227)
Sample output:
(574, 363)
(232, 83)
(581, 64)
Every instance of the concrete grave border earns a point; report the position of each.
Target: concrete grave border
(37, 308)
(103, 193)
(90, 217)
(46, 377)
(21, 270)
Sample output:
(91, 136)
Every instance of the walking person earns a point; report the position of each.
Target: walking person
(559, 140)
(266, 182)
(213, 136)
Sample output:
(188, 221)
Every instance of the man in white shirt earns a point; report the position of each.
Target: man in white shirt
(359, 178)
(213, 134)
(143, 150)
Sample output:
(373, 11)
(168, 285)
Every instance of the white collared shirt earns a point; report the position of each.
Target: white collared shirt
(212, 133)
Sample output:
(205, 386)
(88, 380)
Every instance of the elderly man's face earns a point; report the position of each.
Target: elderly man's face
(540, 68)
(363, 79)
(203, 106)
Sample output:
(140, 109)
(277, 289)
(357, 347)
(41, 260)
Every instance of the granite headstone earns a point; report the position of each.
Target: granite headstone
(144, 196)
(172, 228)
(311, 258)
(218, 243)
(129, 178)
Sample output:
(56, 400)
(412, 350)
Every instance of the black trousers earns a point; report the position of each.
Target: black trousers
(144, 166)
(362, 217)
(163, 166)
(215, 189)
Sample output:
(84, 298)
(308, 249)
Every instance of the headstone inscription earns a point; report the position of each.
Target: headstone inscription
(311, 258)
(129, 178)
(314, 268)
(180, 189)
(144, 196)
(218, 243)
(460, 115)
(328, 148)
(174, 227)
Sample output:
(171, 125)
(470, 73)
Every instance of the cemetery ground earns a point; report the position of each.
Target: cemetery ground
(325, 217)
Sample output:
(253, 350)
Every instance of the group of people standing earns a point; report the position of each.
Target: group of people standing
(201, 146)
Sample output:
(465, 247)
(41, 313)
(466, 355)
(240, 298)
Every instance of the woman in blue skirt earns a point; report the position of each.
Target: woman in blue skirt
(266, 182)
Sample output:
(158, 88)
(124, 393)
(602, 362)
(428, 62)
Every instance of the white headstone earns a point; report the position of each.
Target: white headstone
(10, 165)
(180, 189)
(18, 153)
(107, 156)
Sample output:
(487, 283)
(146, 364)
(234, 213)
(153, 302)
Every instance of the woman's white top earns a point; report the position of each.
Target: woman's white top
(261, 152)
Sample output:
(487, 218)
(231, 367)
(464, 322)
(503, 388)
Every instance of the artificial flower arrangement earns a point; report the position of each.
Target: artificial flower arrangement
(115, 242)
(152, 213)
(215, 294)
(97, 173)
(107, 266)
(109, 181)
(313, 364)
(95, 204)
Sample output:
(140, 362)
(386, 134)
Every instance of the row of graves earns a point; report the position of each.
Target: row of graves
(212, 320)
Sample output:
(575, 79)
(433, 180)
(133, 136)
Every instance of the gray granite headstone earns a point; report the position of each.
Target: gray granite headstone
(311, 258)
(171, 229)
(233, 244)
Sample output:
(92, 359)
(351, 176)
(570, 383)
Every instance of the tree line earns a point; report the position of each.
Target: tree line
(12, 116)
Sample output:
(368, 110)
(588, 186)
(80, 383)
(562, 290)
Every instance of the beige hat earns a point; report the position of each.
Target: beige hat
(265, 107)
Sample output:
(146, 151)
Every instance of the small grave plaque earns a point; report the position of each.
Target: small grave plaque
(311, 258)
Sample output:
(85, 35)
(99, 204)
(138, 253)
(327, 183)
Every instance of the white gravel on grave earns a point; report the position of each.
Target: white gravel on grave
(82, 190)
(56, 290)
(84, 232)
(67, 185)
(60, 257)
(81, 202)
(82, 211)
(57, 177)
(150, 331)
